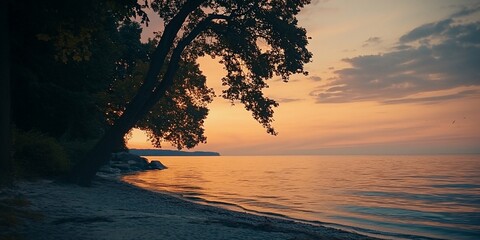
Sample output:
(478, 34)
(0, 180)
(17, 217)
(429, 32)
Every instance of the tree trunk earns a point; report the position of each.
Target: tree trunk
(100, 154)
(84, 172)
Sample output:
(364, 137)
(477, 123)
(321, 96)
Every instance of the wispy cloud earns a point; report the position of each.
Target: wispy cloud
(427, 30)
(466, 10)
(434, 99)
(372, 41)
(315, 78)
(436, 56)
(287, 100)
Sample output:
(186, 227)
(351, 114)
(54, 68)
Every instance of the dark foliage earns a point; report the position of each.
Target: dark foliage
(80, 72)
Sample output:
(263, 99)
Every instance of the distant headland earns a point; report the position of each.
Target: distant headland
(161, 152)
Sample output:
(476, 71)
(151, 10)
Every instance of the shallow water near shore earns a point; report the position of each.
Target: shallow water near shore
(410, 197)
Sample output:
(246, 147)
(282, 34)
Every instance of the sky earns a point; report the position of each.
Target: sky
(387, 77)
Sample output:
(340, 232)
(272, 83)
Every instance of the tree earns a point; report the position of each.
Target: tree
(254, 40)
(64, 54)
(177, 118)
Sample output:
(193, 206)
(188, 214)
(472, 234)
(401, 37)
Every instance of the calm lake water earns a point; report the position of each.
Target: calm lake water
(412, 197)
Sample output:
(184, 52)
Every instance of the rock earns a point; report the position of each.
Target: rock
(123, 166)
(104, 168)
(155, 164)
(141, 163)
(131, 159)
(108, 169)
(124, 162)
(125, 157)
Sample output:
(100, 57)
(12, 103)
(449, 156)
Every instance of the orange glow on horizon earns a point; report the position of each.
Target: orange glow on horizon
(345, 30)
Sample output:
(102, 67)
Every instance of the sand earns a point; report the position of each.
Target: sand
(111, 209)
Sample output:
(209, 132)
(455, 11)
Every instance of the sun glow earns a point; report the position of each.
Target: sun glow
(405, 116)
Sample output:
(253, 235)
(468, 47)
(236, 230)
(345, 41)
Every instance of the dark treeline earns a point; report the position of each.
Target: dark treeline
(65, 60)
(161, 152)
(80, 79)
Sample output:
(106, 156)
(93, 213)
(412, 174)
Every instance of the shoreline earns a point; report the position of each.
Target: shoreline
(277, 216)
(113, 209)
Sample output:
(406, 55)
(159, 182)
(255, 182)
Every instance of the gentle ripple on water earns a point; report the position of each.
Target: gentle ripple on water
(414, 197)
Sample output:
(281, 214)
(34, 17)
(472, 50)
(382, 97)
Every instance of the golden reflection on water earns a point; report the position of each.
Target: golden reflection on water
(365, 191)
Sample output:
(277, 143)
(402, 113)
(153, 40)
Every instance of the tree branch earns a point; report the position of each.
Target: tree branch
(175, 59)
(133, 109)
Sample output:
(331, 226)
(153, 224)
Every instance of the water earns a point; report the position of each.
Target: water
(411, 197)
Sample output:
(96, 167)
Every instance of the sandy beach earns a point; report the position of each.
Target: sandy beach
(111, 209)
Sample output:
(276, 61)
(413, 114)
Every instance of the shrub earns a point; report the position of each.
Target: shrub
(38, 155)
(76, 150)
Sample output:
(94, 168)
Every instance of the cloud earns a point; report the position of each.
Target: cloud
(427, 30)
(287, 100)
(439, 28)
(372, 41)
(315, 78)
(349, 50)
(434, 99)
(437, 56)
(466, 10)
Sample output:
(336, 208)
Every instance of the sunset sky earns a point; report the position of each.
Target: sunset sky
(387, 77)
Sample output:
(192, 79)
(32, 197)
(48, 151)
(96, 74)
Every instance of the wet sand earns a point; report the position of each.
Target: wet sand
(111, 209)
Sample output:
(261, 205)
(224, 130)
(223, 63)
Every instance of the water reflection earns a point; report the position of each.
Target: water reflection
(407, 195)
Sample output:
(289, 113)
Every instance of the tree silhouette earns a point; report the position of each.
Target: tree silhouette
(63, 56)
(254, 40)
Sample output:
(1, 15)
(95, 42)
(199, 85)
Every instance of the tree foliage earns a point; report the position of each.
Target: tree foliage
(254, 40)
(178, 117)
(82, 71)
(63, 54)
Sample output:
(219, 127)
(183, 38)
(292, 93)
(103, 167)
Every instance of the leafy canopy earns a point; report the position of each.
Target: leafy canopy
(254, 40)
(65, 53)
(178, 117)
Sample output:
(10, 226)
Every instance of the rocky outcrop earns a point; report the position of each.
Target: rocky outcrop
(124, 162)
(155, 164)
